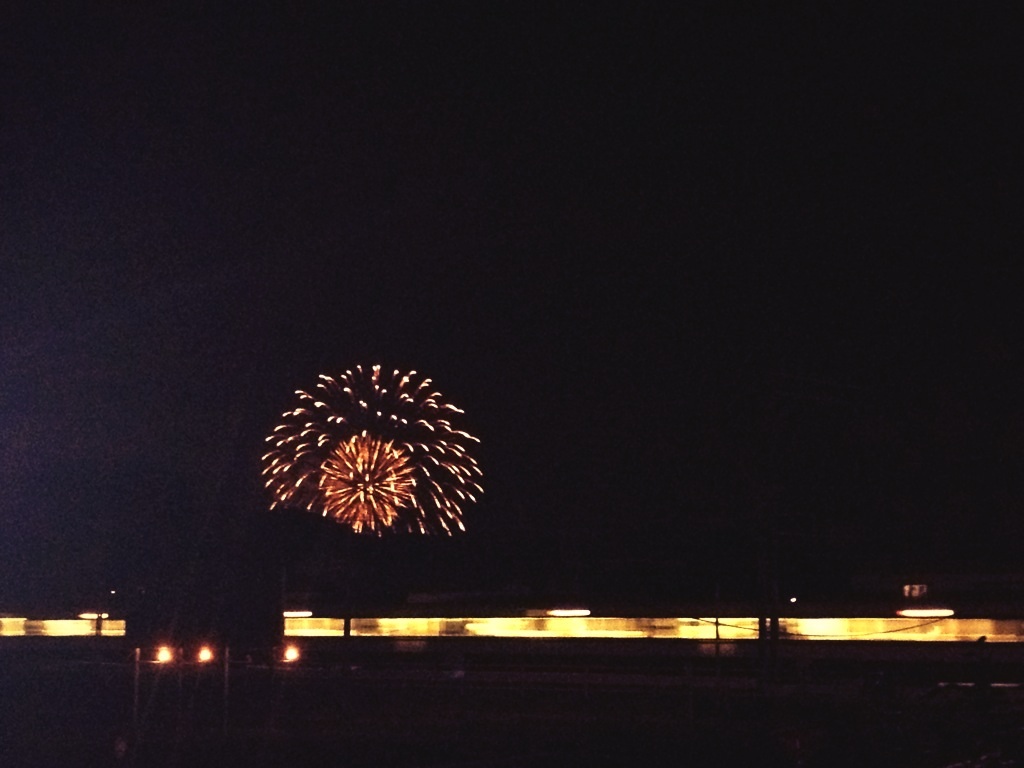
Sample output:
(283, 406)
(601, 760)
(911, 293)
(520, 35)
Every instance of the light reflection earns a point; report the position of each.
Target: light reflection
(916, 624)
(12, 626)
(925, 613)
(314, 627)
(61, 627)
(708, 629)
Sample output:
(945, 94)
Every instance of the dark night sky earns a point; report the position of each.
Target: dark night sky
(694, 275)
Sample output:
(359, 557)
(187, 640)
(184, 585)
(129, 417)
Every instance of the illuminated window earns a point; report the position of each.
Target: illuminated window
(915, 590)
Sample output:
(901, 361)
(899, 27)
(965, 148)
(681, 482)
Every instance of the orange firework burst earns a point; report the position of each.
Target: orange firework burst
(366, 481)
(374, 453)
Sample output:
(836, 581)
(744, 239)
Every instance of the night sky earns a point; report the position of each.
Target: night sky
(700, 279)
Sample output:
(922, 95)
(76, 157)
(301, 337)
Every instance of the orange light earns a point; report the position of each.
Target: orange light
(569, 612)
(164, 654)
(205, 654)
(291, 653)
(93, 616)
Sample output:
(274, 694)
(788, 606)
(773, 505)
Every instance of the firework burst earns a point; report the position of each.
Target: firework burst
(374, 452)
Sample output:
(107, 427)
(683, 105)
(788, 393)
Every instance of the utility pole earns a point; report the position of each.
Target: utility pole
(768, 616)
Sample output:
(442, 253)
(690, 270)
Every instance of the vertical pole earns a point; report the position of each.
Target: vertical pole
(718, 660)
(762, 651)
(773, 598)
(690, 709)
(718, 628)
(179, 659)
(227, 690)
(135, 693)
(718, 646)
(284, 591)
(348, 584)
(767, 620)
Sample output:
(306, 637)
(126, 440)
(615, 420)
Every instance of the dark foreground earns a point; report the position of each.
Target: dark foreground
(447, 711)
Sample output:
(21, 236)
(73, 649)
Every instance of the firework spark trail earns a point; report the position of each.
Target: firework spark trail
(374, 453)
